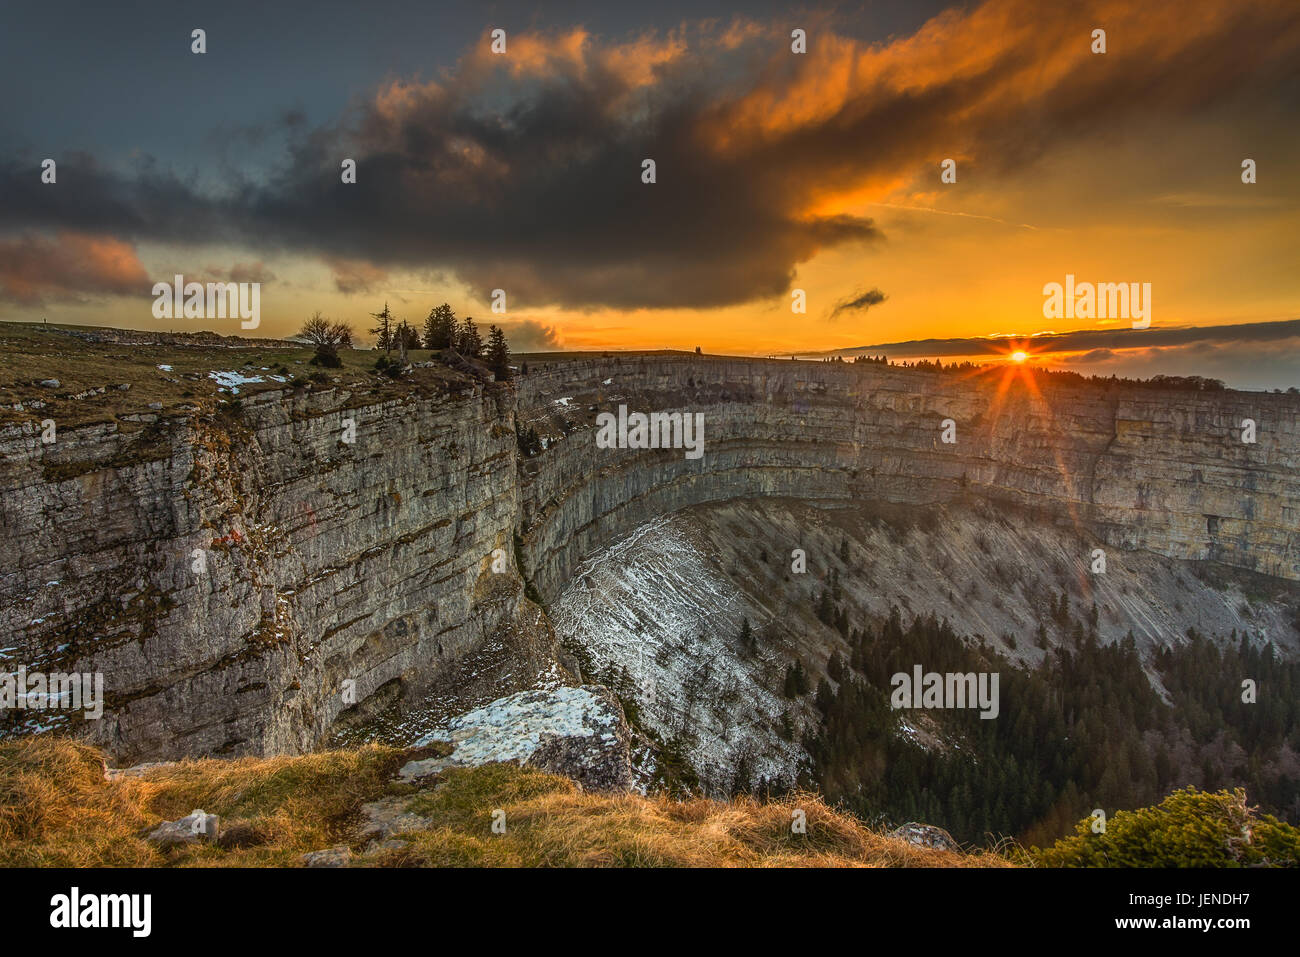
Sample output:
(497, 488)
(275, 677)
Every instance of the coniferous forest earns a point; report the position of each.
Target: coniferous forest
(1089, 728)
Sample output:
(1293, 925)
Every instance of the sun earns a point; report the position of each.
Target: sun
(1019, 356)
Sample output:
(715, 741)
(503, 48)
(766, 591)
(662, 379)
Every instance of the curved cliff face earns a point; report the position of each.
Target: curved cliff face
(336, 571)
(1159, 470)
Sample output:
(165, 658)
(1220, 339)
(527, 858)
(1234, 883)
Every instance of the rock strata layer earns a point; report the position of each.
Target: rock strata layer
(338, 576)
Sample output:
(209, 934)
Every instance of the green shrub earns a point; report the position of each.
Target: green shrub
(389, 367)
(327, 357)
(1190, 828)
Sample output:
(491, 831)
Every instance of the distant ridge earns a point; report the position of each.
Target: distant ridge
(1078, 340)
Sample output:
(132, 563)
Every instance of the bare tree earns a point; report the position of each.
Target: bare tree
(316, 330)
(328, 337)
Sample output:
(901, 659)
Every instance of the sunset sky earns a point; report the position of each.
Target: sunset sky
(775, 170)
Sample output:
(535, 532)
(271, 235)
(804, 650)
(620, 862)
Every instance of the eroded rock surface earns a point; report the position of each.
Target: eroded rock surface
(341, 577)
(577, 732)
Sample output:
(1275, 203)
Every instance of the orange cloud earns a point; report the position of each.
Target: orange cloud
(34, 268)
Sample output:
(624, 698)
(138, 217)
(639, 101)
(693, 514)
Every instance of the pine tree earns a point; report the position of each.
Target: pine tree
(825, 697)
(384, 330)
(440, 327)
(825, 608)
(835, 668)
(468, 342)
(430, 324)
(404, 337)
(796, 681)
(498, 354)
(801, 678)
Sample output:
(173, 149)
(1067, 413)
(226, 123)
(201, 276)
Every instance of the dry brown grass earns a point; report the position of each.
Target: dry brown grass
(57, 809)
(550, 822)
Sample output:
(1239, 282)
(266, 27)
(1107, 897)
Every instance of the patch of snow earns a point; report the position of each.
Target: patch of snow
(512, 728)
(232, 380)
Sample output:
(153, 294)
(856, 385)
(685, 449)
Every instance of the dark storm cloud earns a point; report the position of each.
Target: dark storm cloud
(523, 171)
(142, 202)
(860, 302)
(529, 335)
(242, 272)
(352, 277)
(1096, 355)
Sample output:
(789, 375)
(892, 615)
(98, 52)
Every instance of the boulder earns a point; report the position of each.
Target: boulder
(388, 816)
(337, 856)
(926, 835)
(194, 826)
(577, 732)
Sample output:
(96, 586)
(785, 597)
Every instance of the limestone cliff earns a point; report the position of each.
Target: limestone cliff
(1164, 471)
(335, 575)
(322, 562)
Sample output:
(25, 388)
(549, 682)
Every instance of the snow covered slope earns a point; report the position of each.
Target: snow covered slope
(656, 617)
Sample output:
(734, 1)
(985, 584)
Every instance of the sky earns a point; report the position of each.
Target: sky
(779, 175)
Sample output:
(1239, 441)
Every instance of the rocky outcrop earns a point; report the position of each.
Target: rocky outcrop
(577, 732)
(247, 579)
